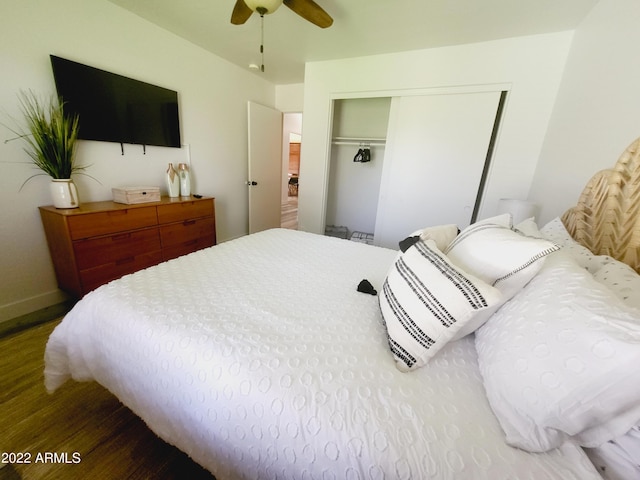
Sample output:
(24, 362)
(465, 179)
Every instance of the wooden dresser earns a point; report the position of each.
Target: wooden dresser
(101, 241)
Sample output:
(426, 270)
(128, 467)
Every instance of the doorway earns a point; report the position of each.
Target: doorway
(291, 145)
(359, 125)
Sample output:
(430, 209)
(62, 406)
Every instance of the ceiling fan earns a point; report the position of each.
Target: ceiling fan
(307, 9)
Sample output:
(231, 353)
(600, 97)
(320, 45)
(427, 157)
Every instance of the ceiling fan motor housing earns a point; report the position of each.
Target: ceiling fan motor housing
(307, 9)
(263, 6)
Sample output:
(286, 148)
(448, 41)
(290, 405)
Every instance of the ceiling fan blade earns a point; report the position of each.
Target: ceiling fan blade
(311, 11)
(241, 13)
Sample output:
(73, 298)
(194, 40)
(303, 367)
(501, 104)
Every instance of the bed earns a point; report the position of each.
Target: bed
(264, 357)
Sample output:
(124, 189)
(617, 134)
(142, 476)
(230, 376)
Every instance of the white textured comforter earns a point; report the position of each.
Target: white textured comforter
(260, 359)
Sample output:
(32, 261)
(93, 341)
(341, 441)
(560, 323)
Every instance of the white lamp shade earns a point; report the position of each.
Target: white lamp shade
(269, 5)
(519, 209)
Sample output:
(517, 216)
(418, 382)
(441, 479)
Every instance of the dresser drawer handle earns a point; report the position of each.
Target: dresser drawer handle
(122, 261)
(189, 222)
(122, 236)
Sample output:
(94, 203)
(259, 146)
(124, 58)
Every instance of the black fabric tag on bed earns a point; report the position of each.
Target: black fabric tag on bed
(365, 287)
(408, 242)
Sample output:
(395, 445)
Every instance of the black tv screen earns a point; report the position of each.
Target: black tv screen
(113, 108)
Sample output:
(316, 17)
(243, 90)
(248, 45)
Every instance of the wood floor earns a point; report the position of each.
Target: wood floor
(80, 422)
(289, 214)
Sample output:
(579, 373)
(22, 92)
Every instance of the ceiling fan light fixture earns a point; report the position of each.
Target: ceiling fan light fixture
(268, 6)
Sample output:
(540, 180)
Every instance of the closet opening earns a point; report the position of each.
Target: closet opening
(359, 132)
(401, 163)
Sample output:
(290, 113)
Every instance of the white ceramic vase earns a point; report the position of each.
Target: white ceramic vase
(185, 180)
(173, 182)
(64, 193)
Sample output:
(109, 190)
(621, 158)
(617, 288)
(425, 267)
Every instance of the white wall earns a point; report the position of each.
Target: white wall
(290, 98)
(529, 67)
(213, 97)
(596, 115)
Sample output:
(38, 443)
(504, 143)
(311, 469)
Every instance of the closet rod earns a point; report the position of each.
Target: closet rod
(369, 144)
(373, 142)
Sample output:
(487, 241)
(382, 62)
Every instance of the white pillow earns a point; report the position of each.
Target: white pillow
(618, 459)
(622, 280)
(504, 219)
(499, 256)
(528, 227)
(560, 360)
(557, 233)
(425, 300)
(442, 235)
(496, 253)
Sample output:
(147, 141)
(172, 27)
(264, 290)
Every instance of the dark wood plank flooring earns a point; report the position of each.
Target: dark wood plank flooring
(289, 214)
(84, 419)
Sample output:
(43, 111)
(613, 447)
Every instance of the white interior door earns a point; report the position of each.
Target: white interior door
(265, 167)
(435, 154)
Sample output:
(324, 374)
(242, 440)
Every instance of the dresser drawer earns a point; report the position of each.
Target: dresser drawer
(185, 248)
(113, 221)
(187, 231)
(94, 277)
(176, 212)
(115, 248)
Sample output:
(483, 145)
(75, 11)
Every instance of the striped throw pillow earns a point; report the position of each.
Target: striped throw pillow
(500, 256)
(425, 300)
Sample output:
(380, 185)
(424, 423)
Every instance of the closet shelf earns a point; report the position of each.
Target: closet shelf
(372, 142)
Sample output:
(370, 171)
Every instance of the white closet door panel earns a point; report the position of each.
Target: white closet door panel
(436, 150)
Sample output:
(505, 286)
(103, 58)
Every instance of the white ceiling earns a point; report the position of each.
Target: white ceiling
(360, 28)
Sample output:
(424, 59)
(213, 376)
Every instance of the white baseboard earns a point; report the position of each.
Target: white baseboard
(30, 305)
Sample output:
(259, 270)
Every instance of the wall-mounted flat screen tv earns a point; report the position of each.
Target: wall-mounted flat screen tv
(113, 108)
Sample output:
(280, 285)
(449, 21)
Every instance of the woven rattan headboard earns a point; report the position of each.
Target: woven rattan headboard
(606, 219)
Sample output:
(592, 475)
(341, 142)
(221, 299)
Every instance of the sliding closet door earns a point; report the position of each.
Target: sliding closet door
(436, 150)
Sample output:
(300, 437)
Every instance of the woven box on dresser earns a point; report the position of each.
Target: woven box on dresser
(133, 195)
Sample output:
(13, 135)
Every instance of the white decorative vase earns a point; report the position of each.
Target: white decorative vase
(64, 193)
(185, 180)
(173, 182)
